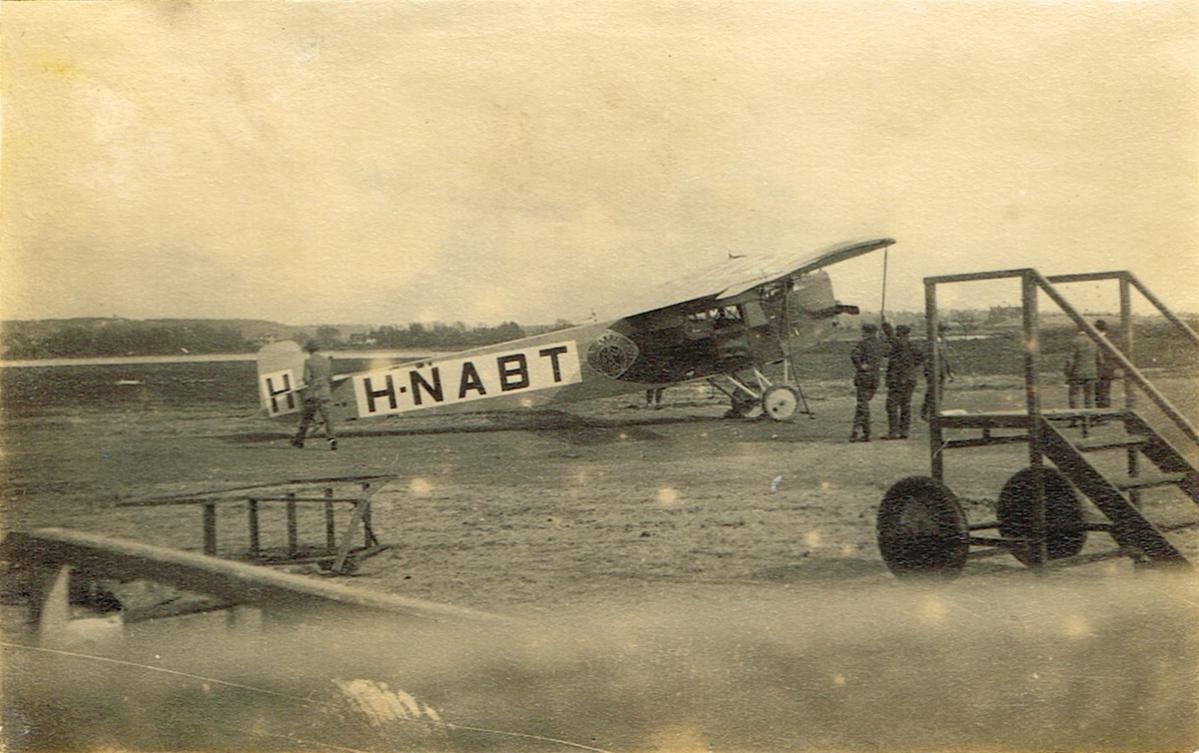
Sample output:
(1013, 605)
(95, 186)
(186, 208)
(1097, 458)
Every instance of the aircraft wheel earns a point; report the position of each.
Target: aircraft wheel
(1064, 536)
(781, 402)
(922, 529)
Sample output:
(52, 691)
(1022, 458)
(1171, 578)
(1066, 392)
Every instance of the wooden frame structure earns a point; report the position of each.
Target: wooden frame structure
(1038, 537)
(339, 555)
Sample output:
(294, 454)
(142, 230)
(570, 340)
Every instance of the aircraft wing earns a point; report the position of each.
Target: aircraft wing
(735, 276)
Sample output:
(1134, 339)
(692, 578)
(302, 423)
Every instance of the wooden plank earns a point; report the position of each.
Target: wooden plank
(330, 523)
(252, 513)
(293, 535)
(209, 528)
(191, 498)
(977, 276)
(112, 557)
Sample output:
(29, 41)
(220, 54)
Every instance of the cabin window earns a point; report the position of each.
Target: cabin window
(717, 314)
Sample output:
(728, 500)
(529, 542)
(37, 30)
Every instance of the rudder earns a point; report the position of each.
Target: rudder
(280, 378)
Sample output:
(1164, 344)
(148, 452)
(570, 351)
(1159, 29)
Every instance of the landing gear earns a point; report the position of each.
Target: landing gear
(922, 529)
(781, 402)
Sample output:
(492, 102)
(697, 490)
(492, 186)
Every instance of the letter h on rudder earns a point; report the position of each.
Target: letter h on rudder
(286, 391)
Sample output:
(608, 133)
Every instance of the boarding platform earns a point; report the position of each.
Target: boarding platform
(922, 528)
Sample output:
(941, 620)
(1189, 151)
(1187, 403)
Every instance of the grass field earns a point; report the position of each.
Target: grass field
(681, 582)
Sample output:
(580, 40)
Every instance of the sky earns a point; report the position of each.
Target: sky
(384, 162)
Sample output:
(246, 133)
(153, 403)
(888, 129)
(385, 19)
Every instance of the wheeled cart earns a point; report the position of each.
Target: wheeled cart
(922, 528)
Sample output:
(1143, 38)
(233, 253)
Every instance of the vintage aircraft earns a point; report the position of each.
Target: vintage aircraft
(724, 325)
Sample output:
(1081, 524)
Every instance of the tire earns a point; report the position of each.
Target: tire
(922, 529)
(1064, 536)
(780, 402)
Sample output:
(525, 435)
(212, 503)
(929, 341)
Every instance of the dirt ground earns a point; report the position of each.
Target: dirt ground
(749, 528)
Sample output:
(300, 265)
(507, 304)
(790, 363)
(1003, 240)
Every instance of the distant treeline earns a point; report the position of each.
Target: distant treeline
(125, 337)
(439, 335)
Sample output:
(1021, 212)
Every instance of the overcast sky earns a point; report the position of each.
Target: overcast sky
(385, 161)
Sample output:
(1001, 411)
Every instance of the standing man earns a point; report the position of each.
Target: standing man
(1082, 370)
(1105, 369)
(946, 375)
(867, 358)
(902, 363)
(318, 393)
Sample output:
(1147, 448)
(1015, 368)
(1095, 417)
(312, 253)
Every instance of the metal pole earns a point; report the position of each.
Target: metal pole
(882, 314)
(1032, 393)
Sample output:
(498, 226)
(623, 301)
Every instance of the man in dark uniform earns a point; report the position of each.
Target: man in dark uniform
(867, 358)
(318, 393)
(926, 408)
(903, 364)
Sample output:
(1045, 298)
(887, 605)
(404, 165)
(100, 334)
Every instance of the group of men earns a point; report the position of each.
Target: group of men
(905, 359)
(1089, 372)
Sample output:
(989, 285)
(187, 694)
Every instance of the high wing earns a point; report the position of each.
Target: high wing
(735, 276)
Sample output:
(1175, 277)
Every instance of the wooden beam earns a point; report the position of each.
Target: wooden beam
(110, 557)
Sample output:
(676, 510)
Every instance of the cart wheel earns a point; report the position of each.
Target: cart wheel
(780, 402)
(1064, 536)
(922, 529)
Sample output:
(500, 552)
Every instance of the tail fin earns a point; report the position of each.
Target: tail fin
(280, 377)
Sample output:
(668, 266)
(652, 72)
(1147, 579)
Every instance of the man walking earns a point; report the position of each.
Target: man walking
(867, 358)
(946, 370)
(902, 363)
(318, 393)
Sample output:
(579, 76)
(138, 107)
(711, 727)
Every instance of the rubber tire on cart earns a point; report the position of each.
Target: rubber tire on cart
(1064, 536)
(922, 529)
(780, 402)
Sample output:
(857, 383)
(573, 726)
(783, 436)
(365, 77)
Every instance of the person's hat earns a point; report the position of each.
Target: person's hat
(312, 346)
(942, 326)
(902, 329)
(1101, 325)
(869, 327)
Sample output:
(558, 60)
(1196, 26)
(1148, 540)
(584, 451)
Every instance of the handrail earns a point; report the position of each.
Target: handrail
(1130, 371)
(1126, 276)
(1165, 311)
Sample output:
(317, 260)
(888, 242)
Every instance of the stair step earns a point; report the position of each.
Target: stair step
(1096, 444)
(1148, 481)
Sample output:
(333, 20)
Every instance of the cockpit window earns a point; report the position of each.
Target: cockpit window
(718, 313)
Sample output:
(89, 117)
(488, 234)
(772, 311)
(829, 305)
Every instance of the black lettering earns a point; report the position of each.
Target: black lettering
(433, 389)
(552, 354)
(470, 380)
(286, 390)
(389, 392)
(513, 366)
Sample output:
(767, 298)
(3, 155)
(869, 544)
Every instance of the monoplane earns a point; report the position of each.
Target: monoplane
(724, 324)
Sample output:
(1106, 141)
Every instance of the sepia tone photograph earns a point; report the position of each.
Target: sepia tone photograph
(664, 377)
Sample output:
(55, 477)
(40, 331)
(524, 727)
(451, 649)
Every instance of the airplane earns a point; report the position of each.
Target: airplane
(723, 325)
